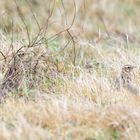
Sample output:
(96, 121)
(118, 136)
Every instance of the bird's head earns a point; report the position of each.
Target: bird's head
(128, 68)
(19, 54)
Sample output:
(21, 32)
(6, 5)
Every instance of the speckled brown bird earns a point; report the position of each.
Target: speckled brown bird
(13, 75)
(124, 80)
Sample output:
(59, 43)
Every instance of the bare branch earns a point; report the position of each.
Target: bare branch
(37, 41)
(65, 30)
(23, 21)
(74, 48)
(29, 5)
(3, 55)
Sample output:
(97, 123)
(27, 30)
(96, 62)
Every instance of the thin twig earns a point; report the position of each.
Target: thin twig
(23, 21)
(74, 48)
(3, 56)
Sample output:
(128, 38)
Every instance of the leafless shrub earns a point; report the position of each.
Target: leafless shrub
(34, 66)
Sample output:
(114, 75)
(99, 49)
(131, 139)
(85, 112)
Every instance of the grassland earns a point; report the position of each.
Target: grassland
(69, 97)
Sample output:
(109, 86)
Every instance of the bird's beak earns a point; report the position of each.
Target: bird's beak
(133, 67)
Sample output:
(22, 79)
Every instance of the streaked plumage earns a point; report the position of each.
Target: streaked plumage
(13, 76)
(125, 78)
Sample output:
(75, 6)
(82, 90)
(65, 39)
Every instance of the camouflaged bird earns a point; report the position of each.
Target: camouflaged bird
(124, 80)
(13, 75)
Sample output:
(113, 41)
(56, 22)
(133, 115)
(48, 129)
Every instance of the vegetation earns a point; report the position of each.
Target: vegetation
(73, 52)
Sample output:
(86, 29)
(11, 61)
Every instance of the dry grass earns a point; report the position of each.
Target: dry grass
(62, 101)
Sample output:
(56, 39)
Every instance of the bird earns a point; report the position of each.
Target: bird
(13, 75)
(124, 80)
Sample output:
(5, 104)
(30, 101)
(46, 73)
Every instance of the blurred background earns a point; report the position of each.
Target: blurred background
(93, 17)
